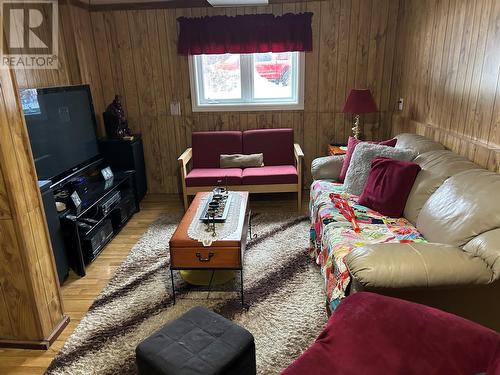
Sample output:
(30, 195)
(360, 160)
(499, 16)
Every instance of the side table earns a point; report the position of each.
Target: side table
(336, 149)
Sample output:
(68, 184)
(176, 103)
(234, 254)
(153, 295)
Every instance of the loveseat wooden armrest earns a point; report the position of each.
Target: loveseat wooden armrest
(185, 157)
(297, 150)
(299, 154)
(184, 160)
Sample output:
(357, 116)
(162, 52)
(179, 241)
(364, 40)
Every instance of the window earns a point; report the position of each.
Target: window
(246, 82)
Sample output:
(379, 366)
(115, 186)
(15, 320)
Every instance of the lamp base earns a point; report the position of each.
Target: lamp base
(355, 129)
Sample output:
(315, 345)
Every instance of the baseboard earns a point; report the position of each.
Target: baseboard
(37, 344)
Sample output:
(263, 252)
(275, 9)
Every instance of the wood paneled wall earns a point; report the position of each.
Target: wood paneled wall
(31, 309)
(440, 56)
(68, 68)
(77, 57)
(447, 70)
(136, 55)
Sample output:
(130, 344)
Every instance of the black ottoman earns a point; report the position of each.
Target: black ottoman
(199, 342)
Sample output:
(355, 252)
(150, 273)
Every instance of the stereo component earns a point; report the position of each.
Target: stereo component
(111, 202)
(124, 210)
(94, 243)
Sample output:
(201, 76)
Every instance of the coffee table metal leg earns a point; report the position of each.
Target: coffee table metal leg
(252, 236)
(173, 285)
(210, 284)
(241, 283)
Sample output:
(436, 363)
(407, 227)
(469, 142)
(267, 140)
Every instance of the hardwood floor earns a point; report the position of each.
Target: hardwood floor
(79, 293)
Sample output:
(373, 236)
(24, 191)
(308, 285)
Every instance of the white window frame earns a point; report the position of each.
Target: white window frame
(297, 103)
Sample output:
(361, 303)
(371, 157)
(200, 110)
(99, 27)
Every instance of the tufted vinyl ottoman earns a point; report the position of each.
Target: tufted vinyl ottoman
(199, 342)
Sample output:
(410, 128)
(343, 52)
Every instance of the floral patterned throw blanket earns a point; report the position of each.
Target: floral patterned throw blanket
(332, 236)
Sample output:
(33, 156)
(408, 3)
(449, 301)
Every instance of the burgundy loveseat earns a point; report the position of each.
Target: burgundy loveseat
(282, 162)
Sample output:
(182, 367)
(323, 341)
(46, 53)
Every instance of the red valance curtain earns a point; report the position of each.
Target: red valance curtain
(256, 33)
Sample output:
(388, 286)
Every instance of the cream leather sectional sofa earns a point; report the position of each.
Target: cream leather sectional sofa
(455, 205)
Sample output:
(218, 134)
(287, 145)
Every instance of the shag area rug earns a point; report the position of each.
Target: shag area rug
(283, 293)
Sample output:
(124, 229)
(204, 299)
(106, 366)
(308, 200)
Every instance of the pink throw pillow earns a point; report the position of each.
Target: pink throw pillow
(388, 186)
(351, 145)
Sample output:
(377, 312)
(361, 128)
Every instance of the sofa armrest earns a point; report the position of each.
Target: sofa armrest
(415, 265)
(327, 167)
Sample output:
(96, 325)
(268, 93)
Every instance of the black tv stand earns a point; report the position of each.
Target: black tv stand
(105, 208)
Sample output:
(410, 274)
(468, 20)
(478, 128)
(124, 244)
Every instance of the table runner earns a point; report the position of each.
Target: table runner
(197, 228)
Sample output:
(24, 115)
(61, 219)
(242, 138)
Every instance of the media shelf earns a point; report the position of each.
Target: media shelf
(105, 208)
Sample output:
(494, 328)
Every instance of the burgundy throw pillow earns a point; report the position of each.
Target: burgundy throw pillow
(351, 145)
(388, 186)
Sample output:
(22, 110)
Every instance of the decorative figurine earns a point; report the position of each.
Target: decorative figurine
(116, 121)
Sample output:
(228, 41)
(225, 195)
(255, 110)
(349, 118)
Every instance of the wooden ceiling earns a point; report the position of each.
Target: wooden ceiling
(99, 5)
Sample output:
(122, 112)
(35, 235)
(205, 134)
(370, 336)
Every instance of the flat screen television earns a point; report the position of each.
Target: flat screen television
(62, 129)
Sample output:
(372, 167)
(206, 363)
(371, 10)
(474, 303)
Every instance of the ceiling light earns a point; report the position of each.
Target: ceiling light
(237, 3)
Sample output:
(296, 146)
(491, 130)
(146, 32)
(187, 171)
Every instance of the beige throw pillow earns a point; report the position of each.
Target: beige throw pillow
(241, 161)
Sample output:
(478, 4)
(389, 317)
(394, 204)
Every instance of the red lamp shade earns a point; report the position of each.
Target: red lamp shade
(360, 101)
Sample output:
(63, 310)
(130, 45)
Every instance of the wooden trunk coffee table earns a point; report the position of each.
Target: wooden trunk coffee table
(224, 254)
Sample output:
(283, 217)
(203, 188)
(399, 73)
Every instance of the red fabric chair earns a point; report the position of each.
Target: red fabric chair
(374, 334)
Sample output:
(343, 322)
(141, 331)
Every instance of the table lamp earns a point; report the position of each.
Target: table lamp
(359, 101)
